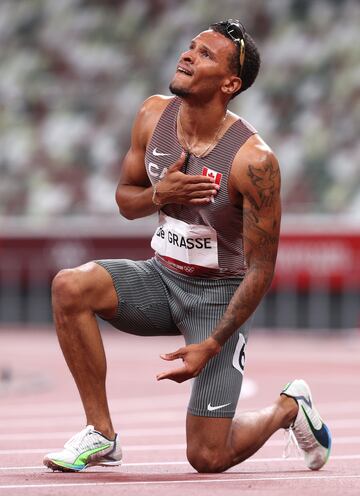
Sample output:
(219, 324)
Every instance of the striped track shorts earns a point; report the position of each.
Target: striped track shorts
(155, 301)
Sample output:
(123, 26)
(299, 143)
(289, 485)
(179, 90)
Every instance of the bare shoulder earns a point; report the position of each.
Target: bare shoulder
(255, 159)
(156, 103)
(255, 151)
(153, 107)
(149, 115)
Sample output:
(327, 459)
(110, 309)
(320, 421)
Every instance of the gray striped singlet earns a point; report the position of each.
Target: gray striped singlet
(156, 298)
(164, 149)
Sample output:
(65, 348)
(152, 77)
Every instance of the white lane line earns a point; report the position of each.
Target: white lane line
(149, 447)
(347, 440)
(151, 431)
(160, 464)
(142, 432)
(128, 418)
(182, 481)
(12, 411)
(165, 417)
(30, 436)
(130, 405)
(124, 404)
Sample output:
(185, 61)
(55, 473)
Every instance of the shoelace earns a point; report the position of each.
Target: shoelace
(81, 440)
(305, 438)
(291, 444)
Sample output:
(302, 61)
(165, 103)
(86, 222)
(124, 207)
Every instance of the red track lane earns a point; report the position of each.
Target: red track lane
(40, 409)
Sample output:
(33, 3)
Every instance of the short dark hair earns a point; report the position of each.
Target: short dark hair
(252, 60)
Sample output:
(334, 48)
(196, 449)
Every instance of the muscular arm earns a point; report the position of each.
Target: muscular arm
(259, 183)
(256, 179)
(134, 191)
(134, 194)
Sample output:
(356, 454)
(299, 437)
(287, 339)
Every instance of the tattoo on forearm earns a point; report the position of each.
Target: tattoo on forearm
(261, 217)
(262, 240)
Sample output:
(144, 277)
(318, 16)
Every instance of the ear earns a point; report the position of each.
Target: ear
(231, 85)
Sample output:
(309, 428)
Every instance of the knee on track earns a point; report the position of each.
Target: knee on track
(206, 460)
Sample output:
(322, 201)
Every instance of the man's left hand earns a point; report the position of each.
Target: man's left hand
(194, 357)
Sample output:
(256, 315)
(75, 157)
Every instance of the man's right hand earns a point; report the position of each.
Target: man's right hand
(180, 188)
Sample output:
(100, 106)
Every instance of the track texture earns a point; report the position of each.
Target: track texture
(40, 410)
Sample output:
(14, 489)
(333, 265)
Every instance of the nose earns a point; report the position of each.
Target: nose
(187, 56)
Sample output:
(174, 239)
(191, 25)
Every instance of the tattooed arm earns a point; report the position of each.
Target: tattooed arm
(258, 181)
(255, 186)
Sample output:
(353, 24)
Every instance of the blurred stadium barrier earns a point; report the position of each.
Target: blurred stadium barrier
(74, 73)
(317, 281)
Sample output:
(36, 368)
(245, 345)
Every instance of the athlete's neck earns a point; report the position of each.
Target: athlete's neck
(200, 122)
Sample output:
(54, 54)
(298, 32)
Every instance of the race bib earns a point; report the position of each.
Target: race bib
(192, 244)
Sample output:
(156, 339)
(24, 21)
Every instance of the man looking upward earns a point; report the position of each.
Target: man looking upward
(216, 186)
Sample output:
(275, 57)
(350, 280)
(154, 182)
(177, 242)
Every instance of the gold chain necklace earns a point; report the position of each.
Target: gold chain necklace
(209, 146)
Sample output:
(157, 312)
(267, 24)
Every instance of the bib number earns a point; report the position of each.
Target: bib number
(239, 355)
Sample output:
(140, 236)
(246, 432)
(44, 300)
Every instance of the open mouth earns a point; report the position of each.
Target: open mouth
(182, 70)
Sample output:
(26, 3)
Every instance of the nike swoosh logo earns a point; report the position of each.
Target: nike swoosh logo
(212, 408)
(321, 435)
(159, 154)
(305, 400)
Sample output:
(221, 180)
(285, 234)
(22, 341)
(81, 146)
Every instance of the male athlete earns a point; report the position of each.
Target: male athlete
(216, 186)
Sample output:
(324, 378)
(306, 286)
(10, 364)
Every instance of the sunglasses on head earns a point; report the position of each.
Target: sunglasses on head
(236, 32)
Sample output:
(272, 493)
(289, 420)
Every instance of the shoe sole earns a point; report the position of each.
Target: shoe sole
(284, 392)
(60, 468)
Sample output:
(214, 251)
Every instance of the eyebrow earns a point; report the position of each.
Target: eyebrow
(202, 45)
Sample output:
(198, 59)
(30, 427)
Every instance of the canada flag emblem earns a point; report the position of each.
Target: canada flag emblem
(212, 173)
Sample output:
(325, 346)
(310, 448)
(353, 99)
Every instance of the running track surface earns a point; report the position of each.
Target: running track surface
(40, 410)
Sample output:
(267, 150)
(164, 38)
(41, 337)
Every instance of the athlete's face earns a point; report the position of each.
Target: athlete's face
(204, 67)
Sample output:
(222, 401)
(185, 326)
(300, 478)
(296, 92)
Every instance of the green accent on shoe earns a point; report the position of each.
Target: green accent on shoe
(83, 458)
(60, 463)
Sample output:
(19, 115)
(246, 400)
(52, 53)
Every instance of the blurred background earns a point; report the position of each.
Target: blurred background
(73, 74)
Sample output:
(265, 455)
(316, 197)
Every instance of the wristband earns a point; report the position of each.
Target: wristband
(154, 200)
